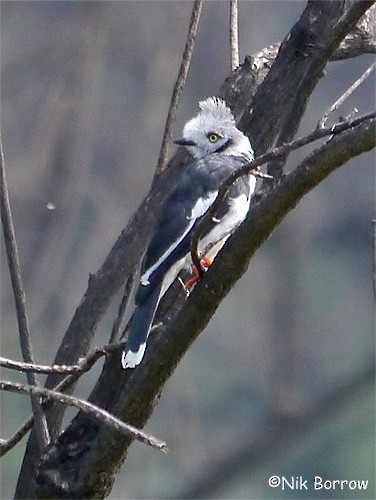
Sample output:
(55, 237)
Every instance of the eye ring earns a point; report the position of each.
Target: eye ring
(213, 137)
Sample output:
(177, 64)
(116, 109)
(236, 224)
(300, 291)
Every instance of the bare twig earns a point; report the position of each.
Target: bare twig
(345, 96)
(20, 301)
(7, 444)
(102, 415)
(30, 367)
(250, 168)
(83, 365)
(234, 34)
(86, 363)
(179, 85)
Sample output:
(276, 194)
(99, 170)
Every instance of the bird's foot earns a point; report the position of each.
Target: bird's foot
(206, 263)
(155, 327)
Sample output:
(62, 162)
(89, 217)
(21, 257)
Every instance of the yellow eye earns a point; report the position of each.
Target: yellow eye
(213, 137)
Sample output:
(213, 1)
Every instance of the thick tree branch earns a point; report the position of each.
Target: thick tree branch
(123, 307)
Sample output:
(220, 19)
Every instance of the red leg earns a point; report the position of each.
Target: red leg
(196, 275)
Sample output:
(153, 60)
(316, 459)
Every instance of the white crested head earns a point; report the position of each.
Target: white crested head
(213, 130)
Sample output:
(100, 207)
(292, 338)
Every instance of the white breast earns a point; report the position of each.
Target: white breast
(216, 238)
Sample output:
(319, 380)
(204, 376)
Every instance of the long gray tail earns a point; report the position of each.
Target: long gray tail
(139, 330)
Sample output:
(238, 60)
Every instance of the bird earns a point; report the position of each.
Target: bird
(218, 148)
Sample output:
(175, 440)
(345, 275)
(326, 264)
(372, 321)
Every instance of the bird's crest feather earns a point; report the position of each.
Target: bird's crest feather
(216, 108)
(214, 116)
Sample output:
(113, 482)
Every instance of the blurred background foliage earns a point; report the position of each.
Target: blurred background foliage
(85, 89)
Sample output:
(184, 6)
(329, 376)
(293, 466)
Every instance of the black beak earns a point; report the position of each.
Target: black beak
(184, 142)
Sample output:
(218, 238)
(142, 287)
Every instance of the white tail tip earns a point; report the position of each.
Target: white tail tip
(131, 359)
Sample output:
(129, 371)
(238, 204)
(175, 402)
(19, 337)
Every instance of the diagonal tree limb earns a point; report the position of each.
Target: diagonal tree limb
(360, 40)
(7, 444)
(117, 326)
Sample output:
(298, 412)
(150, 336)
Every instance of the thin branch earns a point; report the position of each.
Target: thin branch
(234, 34)
(102, 415)
(179, 85)
(345, 96)
(7, 444)
(83, 365)
(86, 363)
(31, 367)
(20, 300)
(250, 168)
